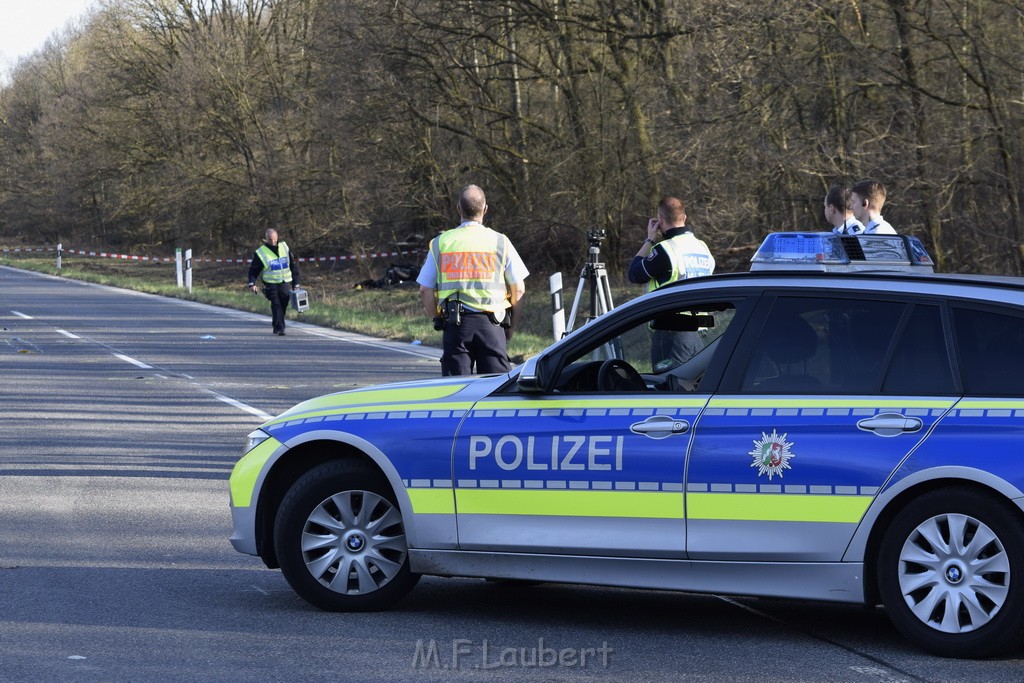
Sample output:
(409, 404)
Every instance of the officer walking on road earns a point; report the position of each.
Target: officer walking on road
(470, 283)
(671, 252)
(273, 264)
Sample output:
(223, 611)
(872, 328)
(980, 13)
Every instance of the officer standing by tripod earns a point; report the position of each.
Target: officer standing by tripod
(671, 252)
(470, 283)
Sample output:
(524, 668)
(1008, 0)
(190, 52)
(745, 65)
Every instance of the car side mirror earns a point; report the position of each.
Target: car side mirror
(530, 378)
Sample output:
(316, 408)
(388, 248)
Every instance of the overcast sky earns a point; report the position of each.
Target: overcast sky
(26, 24)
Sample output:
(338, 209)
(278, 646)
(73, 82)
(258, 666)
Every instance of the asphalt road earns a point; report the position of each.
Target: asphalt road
(121, 417)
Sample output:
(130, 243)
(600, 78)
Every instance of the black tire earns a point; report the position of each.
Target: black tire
(361, 560)
(951, 573)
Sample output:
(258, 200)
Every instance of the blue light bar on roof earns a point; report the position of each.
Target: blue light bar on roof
(827, 252)
(801, 248)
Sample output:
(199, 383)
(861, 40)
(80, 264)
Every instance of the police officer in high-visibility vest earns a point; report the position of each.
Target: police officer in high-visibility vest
(671, 252)
(469, 283)
(274, 264)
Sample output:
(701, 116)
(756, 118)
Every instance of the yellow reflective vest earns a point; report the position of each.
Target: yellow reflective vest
(470, 261)
(276, 267)
(689, 256)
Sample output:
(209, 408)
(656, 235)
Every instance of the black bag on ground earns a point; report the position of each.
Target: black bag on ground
(400, 273)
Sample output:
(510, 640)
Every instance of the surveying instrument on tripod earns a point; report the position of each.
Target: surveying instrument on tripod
(594, 278)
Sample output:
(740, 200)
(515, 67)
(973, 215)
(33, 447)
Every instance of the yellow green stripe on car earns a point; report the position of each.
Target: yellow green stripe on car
(644, 504)
(989, 404)
(247, 471)
(771, 507)
(557, 503)
(370, 397)
(432, 501)
(386, 408)
(878, 403)
(547, 404)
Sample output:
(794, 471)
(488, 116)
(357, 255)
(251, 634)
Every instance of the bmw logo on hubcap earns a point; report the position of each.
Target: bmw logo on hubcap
(954, 574)
(355, 542)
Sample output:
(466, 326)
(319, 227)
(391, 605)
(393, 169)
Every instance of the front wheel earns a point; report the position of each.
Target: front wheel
(340, 540)
(951, 573)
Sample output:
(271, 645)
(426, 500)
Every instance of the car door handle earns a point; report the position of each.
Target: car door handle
(660, 427)
(890, 424)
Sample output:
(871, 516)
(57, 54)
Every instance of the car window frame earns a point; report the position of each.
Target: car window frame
(732, 378)
(982, 307)
(602, 329)
(946, 321)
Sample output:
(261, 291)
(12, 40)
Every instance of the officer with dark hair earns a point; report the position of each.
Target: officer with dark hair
(274, 264)
(469, 283)
(838, 213)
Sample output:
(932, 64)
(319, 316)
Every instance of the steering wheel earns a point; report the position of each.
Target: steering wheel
(618, 375)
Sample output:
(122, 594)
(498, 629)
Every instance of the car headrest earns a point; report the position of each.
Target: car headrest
(793, 340)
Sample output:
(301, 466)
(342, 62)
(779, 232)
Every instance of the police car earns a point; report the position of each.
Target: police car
(852, 430)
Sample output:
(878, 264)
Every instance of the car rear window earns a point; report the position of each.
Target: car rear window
(823, 346)
(920, 363)
(990, 346)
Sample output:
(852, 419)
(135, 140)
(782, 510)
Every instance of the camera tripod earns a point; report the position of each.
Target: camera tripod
(594, 278)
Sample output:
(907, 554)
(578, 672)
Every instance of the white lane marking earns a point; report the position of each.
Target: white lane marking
(881, 674)
(244, 315)
(134, 362)
(220, 397)
(241, 406)
(67, 334)
(335, 337)
(230, 401)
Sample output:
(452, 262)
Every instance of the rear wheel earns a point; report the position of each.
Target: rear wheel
(340, 539)
(951, 573)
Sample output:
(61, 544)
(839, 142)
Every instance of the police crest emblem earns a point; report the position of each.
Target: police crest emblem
(771, 454)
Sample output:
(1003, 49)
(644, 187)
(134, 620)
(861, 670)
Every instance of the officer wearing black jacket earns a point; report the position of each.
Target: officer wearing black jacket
(671, 252)
(274, 265)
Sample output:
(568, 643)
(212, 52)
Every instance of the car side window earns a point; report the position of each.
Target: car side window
(669, 352)
(920, 364)
(990, 347)
(823, 346)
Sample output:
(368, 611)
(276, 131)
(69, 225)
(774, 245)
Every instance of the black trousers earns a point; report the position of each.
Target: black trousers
(678, 347)
(279, 294)
(475, 346)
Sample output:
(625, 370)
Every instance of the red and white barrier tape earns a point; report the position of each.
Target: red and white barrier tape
(159, 259)
(127, 257)
(17, 249)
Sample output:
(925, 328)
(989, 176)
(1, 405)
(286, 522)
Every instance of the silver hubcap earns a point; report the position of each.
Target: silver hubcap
(954, 573)
(354, 542)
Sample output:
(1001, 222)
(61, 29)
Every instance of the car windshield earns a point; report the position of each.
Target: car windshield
(669, 349)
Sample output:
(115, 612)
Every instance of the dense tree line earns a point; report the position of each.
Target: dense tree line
(351, 124)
